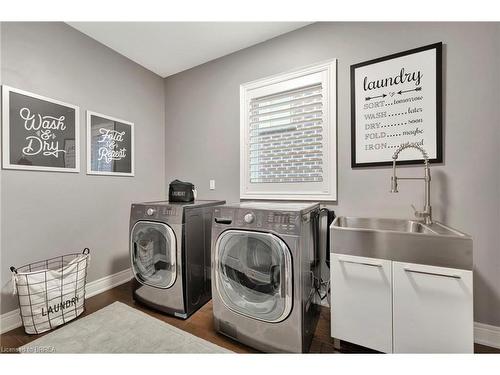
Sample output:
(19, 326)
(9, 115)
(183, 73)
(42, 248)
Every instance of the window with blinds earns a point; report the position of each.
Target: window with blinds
(288, 135)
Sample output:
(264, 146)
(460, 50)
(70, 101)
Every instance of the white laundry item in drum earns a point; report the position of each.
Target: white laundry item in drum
(146, 257)
(49, 298)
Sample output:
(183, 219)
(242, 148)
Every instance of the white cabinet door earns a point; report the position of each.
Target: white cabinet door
(433, 310)
(361, 301)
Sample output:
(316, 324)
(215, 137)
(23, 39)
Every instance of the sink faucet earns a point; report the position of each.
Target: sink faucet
(426, 214)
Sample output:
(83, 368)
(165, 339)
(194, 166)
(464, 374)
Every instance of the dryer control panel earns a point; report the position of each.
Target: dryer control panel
(281, 222)
(285, 222)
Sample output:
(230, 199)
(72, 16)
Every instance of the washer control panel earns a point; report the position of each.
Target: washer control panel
(157, 212)
(168, 211)
(160, 211)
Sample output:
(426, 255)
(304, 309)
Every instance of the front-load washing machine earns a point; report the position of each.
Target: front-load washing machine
(170, 255)
(264, 267)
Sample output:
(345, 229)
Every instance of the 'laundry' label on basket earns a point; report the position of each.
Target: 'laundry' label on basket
(60, 306)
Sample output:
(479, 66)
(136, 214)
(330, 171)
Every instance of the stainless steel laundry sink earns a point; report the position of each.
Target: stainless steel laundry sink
(402, 240)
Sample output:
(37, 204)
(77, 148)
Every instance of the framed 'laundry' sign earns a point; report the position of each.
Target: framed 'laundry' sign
(39, 133)
(397, 99)
(110, 145)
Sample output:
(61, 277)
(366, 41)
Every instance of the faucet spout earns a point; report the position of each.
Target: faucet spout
(426, 214)
(394, 178)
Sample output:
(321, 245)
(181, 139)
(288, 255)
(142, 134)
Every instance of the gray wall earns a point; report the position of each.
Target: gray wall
(202, 128)
(45, 214)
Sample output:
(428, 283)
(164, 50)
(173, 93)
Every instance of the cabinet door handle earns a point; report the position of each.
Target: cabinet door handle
(432, 273)
(361, 263)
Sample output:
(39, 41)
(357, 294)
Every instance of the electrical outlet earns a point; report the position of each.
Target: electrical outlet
(212, 184)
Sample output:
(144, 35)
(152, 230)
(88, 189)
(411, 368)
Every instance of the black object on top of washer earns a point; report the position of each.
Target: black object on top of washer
(180, 191)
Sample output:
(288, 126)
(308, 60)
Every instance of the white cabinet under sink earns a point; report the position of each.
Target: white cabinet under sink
(396, 307)
(361, 301)
(433, 309)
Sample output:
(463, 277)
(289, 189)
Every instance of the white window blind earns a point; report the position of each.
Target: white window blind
(288, 135)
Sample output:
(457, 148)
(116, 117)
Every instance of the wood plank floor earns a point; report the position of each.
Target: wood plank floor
(199, 324)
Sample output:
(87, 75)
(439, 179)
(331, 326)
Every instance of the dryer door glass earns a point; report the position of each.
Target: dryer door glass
(254, 274)
(153, 254)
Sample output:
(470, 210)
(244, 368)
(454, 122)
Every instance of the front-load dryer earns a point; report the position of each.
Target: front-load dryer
(264, 267)
(170, 255)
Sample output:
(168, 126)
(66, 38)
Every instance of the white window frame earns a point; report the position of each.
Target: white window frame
(329, 191)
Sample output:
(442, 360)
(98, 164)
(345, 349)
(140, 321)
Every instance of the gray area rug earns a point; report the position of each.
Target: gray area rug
(119, 328)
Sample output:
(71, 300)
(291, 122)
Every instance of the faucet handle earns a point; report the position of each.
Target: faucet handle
(419, 214)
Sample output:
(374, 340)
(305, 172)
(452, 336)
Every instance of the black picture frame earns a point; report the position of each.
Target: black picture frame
(439, 109)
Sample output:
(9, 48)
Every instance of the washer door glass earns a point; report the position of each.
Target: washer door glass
(153, 254)
(254, 274)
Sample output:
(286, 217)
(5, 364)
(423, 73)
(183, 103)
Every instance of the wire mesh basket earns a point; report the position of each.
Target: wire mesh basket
(51, 292)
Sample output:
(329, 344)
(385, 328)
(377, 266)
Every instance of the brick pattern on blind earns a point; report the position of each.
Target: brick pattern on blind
(286, 136)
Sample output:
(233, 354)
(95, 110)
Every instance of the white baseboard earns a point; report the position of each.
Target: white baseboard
(486, 334)
(108, 282)
(12, 319)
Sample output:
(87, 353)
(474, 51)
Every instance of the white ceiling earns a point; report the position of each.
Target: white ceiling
(167, 48)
